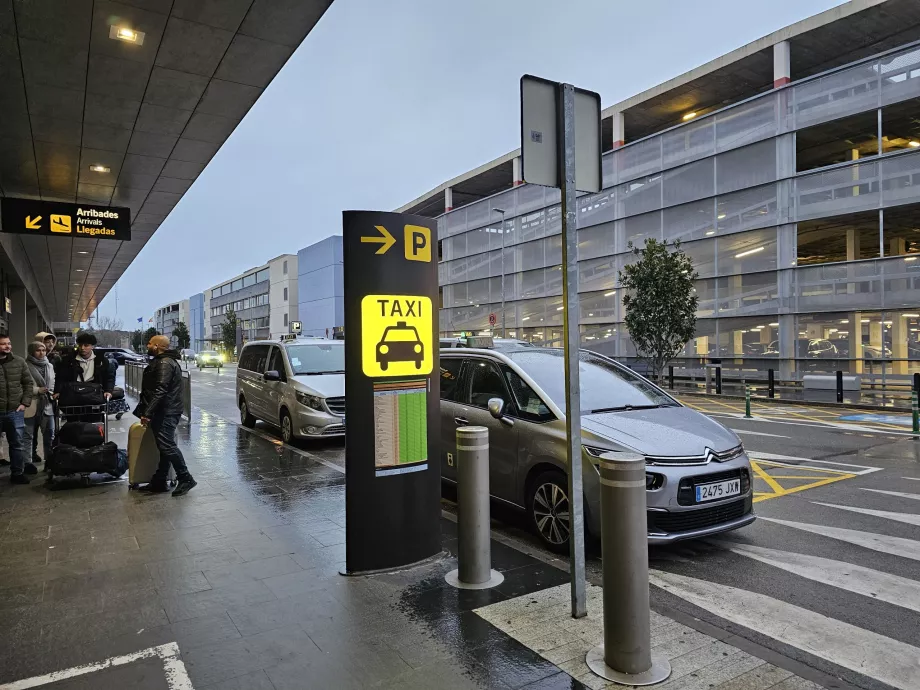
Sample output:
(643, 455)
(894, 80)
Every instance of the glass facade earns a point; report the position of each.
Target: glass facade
(791, 254)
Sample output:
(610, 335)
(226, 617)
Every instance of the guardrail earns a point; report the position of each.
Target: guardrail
(134, 377)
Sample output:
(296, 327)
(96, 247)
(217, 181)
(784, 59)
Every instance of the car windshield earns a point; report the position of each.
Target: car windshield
(321, 358)
(605, 387)
(400, 334)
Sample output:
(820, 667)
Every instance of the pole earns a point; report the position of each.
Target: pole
(747, 402)
(474, 550)
(719, 380)
(771, 391)
(840, 386)
(915, 413)
(566, 135)
(626, 655)
(671, 377)
(500, 211)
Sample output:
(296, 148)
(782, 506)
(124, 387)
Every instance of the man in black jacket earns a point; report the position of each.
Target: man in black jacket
(83, 367)
(160, 408)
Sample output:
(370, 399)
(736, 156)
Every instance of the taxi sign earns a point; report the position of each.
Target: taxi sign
(396, 335)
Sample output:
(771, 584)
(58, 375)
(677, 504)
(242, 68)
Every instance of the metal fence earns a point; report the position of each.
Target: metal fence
(134, 376)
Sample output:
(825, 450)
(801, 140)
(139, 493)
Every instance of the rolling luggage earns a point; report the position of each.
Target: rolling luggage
(98, 455)
(143, 457)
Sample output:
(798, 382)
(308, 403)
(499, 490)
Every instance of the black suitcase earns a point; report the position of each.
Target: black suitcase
(68, 459)
(82, 434)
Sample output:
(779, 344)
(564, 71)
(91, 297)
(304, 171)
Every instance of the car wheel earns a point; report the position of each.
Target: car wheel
(246, 419)
(287, 427)
(548, 507)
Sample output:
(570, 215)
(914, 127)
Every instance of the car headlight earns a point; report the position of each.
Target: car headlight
(309, 400)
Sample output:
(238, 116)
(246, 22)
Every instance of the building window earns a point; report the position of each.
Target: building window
(842, 238)
(284, 267)
(262, 275)
(847, 139)
(285, 320)
(285, 294)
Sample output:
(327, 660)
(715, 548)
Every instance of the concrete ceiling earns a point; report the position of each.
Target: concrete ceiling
(154, 114)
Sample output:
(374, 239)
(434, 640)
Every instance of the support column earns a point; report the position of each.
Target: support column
(875, 334)
(854, 339)
(619, 130)
(517, 174)
(33, 321)
(782, 64)
(448, 199)
(19, 336)
(898, 343)
(787, 337)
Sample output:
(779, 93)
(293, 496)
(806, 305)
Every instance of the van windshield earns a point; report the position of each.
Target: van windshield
(605, 387)
(321, 358)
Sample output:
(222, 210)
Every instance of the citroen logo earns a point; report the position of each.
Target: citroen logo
(711, 456)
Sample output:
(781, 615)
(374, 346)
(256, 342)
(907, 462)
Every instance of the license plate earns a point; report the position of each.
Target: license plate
(717, 490)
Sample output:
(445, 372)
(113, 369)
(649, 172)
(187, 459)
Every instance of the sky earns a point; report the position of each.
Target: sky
(383, 101)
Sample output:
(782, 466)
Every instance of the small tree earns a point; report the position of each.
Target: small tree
(183, 338)
(137, 340)
(228, 331)
(148, 334)
(660, 302)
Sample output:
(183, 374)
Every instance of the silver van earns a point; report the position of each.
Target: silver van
(297, 385)
(698, 477)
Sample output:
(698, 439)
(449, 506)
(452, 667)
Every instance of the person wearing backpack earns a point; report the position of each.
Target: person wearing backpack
(160, 409)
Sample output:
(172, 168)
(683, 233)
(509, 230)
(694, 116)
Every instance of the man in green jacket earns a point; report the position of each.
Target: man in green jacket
(15, 396)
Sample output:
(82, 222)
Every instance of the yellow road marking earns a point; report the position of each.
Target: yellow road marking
(792, 476)
(777, 489)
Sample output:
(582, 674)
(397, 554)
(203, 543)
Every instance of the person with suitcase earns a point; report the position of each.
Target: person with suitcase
(15, 396)
(160, 409)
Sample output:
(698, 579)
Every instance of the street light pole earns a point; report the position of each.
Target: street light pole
(502, 229)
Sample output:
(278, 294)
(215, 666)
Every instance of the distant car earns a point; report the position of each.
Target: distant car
(400, 343)
(187, 355)
(209, 358)
(119, 354)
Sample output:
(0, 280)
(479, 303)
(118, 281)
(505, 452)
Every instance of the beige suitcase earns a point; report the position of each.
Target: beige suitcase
(143, 456)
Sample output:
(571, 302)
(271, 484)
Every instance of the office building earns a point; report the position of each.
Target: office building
(321, 287)
(199, 323)
(168, 316)
(788, 169)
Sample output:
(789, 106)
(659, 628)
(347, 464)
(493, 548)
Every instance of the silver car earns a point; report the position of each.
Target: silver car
(297, 385)
(698, 478)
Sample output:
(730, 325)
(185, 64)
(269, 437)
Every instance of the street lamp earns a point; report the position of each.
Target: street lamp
(502, 230)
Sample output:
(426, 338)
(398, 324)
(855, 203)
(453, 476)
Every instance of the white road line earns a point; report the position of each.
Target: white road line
(882, 658)
(899, 494)
(913, 479)
(174, 669)
(873, 584)
(906, 518)
(757, 433)
(774, 457)
(896, 546)
(828, 426)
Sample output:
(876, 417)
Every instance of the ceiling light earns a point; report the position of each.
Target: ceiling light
(123, 33)
(100, 168)
(608, 294)
(711, 232)
(914, 143)
(865, 321)
(776, 323)
(79, 270)
(911, 258)
(526, 318)
(911, 316)
(688, 116)
(559, 308)
(82, 252)
(844, 321)
(749, 252)
(721, 216)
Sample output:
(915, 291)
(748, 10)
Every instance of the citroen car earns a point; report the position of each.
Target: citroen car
(698, 476)
(209, 358)
(400, 343)
(297, 385)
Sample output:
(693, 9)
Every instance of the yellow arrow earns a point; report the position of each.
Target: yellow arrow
(33, 224)
(386, 240)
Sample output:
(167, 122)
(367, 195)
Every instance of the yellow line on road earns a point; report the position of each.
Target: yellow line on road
(777, 489)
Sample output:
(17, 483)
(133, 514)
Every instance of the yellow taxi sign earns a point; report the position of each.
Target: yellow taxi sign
(396, 335)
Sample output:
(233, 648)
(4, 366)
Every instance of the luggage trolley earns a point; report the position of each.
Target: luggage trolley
(84, 413)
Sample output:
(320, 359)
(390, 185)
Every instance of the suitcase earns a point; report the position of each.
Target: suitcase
(143, 457)
(67, 459)
(82, 434)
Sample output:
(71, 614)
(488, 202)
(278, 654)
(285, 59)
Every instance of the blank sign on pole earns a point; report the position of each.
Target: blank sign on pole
(540, 155)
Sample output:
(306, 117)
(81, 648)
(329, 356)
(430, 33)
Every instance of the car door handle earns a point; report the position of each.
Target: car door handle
(461, 421)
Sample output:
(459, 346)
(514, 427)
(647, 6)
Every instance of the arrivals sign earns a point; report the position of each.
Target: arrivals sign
(59, 219)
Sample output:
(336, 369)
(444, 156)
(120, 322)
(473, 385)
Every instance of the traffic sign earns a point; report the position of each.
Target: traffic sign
(396, 335)
(493, 319)
(296, 327)
(59, 219)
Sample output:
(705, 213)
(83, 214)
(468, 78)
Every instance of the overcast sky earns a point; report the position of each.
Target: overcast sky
(385, 100)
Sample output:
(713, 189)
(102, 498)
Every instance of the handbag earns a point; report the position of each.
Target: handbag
(78, 394)
(32, 409)
(118, 393)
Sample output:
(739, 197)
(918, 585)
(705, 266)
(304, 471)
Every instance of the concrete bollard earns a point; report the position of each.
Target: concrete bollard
(474, 549)
(625, 657)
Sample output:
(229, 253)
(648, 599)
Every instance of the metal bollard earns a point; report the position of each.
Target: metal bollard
(708, 371)
(671, 377)
(915, 412)
(916, 385)
(718, 380)
(474, 549)
(626, 656)
(747, 402)
(840, 386)
(771, 384)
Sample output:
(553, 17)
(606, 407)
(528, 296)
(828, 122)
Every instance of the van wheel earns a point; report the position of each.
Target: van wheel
(246, 419)
(548, 507)
(287, 427)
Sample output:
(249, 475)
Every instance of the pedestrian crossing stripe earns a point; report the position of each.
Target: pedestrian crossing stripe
(782, 479)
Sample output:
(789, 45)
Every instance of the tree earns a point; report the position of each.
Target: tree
(109, 331)
(660, 302)
(228, 331)
(137, 340)
(148, 334)
(183, 338)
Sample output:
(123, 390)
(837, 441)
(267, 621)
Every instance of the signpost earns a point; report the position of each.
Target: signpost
(59, 219)
(297, 327)
(557, 153)
(392, 397)
(493, 319)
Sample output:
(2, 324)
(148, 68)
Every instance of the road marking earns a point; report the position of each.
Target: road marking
(907, 518)
(757, 433)
(853, 469)
(896, 546)
(882, 658)
(816, 425)
(899, 494)
(913, 479)
(893, 589)
(176, 675)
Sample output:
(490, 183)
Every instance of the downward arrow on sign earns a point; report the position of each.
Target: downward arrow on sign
(33, 223)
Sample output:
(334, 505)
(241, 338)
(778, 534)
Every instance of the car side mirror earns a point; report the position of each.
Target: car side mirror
(271, 376)
(497, 410)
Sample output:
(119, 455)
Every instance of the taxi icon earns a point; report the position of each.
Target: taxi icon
(400, 343)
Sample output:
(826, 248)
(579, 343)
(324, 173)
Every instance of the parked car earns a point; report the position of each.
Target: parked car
(209, 358)
(698, 479)
(119, 354)
(297, 385)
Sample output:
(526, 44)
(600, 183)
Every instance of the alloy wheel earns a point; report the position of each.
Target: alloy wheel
(551, 513)
(287, 432)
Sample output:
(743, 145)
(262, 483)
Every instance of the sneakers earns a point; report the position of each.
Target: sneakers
(185, 485)
(155, 488)
(19, 479)
(29, 468)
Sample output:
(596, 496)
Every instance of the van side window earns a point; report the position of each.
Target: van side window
(450, 378)
(276, 363)
(485, 383)
(254, 358)
(529, 404)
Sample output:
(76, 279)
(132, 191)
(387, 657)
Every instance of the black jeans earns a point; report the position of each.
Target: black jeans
(164, 433)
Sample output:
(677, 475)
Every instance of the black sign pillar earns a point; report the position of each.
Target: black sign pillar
(393, 480)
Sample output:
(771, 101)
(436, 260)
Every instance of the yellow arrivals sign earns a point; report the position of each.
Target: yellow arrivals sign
(396, 335)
